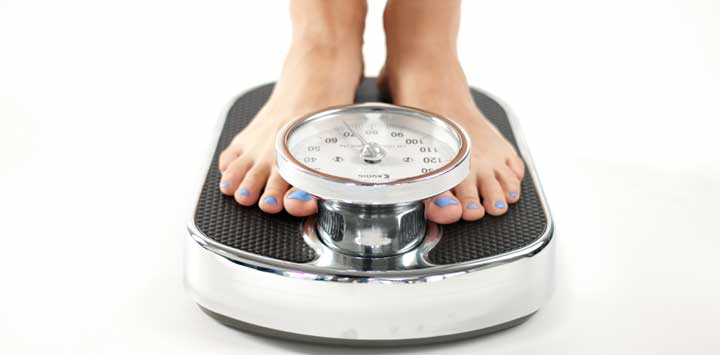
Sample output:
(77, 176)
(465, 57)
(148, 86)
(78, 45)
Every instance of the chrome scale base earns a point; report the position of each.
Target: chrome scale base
(414, 297)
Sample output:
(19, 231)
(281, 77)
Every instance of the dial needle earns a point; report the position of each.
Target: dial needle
(362, 140)
(370, 152)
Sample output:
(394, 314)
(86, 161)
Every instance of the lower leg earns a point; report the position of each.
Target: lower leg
(323, 68)
(421, 37)
(422, 70)
(326, 48)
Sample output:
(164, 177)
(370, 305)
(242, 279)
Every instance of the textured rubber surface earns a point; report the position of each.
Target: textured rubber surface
(279, 236)
(220, 218)
(256, 329)
(523, 224)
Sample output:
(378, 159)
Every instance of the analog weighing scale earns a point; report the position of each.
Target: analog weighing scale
(369, 269)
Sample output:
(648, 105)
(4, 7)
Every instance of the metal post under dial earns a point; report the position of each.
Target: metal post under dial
(358, 160)
(371, 230)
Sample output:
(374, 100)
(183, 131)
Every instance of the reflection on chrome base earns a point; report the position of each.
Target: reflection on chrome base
(340, 306)
(356, 342)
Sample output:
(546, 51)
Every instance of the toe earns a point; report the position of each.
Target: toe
(467, 193)
(227, 156)
(300, 203)
(493, 195)
(249, 190)
(272, 199)
(443, 209)
(517, 166)
(510, 184)
(233, 175)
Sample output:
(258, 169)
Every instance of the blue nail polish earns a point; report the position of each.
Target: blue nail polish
(473, 206)
(512, 194)
(500, 204)
(445, 201)
(224, 185)
(300, 195)
(270, 200)
(244, 192)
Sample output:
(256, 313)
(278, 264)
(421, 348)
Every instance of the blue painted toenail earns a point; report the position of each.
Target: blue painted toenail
(271, 200)
(473, 206)
(512, 194)
(224, 185)
(500, 204)
(300, 195)
(244, 192)
(445, 201)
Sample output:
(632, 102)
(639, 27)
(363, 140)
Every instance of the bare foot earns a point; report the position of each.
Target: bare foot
(434, 81)
(322, 69)
(422, 70)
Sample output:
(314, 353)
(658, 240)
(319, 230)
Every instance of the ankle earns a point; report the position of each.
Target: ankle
(333, 64)
(315, 72)
(416, 26)
(330, 49)
(327, 39)
(419, 45)
(412, 77)
(424, 67)
(423, 50)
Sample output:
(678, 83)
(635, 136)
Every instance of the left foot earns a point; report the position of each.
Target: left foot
(433, 80)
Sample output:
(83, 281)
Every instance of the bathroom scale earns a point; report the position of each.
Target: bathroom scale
(368, 269)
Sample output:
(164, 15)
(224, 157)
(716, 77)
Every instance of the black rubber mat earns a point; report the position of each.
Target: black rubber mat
(278, 236)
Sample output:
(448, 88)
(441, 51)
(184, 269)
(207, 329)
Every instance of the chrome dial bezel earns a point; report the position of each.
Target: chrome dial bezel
(414, 188)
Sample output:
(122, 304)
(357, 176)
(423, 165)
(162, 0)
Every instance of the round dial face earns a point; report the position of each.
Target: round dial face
(374, 146)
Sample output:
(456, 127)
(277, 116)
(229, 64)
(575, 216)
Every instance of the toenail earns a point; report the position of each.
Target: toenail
(473, 206)
(445, 201)
(271, 200)
(300, 195)
(500, 204)
(244, 192)
(512, 194)
(224, 185)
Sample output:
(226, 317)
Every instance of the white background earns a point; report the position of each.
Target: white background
(106, 117)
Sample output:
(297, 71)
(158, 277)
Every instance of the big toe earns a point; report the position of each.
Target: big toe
(443, 208)
(300, 203)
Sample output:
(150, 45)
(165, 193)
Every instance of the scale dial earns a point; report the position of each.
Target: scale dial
(373, 154)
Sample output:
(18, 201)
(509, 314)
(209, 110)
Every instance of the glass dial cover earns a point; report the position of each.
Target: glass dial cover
(360, 153)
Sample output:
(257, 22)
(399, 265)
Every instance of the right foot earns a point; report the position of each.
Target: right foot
(315, 76)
